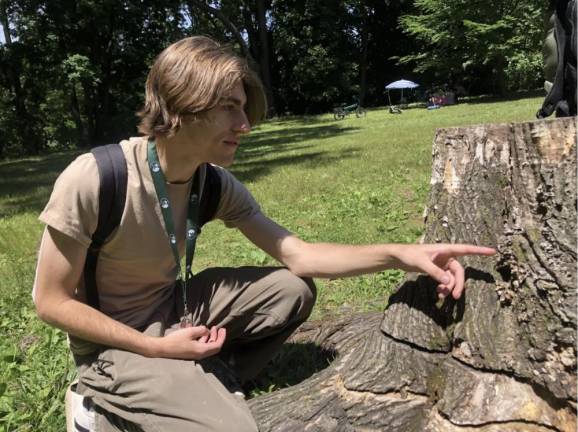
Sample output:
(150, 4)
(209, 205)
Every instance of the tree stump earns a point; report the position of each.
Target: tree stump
(503, 357)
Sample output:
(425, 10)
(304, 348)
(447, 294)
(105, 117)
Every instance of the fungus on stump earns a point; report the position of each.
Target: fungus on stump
(503, 357)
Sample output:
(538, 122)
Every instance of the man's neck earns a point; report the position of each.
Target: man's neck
(177, 163)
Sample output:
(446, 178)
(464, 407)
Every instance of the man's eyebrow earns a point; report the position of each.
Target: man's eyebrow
(234, 100)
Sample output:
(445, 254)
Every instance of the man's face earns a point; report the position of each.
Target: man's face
(215, 138)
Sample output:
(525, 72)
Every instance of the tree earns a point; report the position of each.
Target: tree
(20, 91)
(257, 23)
(253, 36)
(108, 48)
(82, 66)
(315, 59)
(72, 73)
(224, 19)
(503, 358)
(490, 46)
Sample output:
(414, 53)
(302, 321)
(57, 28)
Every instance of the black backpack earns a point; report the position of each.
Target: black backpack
(562, 96)
(113, 175)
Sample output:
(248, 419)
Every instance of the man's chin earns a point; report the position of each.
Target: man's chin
(225, 162)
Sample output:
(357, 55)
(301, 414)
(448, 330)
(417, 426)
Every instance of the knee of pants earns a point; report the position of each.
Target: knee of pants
(302, 291)
(310, 294)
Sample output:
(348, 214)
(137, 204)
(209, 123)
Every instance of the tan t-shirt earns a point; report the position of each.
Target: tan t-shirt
(136, 268)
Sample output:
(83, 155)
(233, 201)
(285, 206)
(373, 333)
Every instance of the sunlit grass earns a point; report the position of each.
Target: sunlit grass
(352, 181)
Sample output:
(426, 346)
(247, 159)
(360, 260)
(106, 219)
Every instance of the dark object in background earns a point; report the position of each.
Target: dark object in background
(562, 94)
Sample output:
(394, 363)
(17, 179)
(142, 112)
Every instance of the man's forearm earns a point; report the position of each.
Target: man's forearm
(87, 323)
(317, 259)
(329, 260)
(333, 260)
(60, 265)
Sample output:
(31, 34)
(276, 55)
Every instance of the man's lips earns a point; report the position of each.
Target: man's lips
(231, 143)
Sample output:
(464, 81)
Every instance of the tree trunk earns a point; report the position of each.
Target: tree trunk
(77, 117)
(31, 140)
(102, 105)
(363, 68)
(503, 357)
(5, 23)
(264, 55)
(263, 51)
(225, 21)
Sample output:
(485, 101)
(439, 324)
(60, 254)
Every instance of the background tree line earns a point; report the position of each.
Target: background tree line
(72, 72)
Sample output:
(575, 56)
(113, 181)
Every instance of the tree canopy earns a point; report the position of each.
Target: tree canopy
(72, 73)
(461, 41)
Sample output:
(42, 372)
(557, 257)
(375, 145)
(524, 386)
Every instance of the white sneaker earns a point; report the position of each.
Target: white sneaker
(79, 411)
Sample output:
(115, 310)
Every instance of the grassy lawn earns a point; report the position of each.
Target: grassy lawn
(352, 181)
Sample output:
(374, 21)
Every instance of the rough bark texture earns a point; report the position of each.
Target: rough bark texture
(503, 357)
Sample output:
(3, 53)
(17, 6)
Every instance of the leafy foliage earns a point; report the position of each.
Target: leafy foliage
(72, 73)
(488, 46)
(78, 68)
(313, 46)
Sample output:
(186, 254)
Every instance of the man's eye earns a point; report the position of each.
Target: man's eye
(228, 107)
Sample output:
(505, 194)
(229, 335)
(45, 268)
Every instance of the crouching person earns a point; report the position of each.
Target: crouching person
(148, 337)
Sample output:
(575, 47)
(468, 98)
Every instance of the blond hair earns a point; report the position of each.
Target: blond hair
(189, 78)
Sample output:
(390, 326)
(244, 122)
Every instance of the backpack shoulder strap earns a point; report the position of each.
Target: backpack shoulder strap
(113, 175)
(211, 195)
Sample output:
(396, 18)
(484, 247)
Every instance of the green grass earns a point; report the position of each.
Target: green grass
(353, 181)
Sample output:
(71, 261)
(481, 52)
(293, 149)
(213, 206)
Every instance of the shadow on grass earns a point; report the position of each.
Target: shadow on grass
(290, 120)
(295, 363)
(514, 96)
(263, 152)
(251, 170)
(260, 142)
(25, 184)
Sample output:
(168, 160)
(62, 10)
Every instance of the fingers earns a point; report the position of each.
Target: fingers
(459, 275)
(197, 331)
(213, 334)
(465, 249)
(443, 277)
(212, 347)
(456, 286)
(444, 290)
(447, 252)
(194, 343)
(438, 261)
(210, 336)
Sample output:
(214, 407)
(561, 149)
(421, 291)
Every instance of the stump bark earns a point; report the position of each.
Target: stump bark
(503, 357)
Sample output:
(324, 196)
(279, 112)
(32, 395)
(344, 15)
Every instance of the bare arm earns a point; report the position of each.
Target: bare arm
(60, 264)
(335, 260)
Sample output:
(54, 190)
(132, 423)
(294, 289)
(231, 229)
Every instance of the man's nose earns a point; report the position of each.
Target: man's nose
(242, 124)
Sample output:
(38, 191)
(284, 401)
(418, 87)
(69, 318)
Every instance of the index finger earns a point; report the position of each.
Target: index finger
(466, 249)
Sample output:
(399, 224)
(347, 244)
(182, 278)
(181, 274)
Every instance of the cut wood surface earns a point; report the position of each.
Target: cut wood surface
(502, 358)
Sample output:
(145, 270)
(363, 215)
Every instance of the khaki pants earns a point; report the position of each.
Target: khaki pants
(259, 307)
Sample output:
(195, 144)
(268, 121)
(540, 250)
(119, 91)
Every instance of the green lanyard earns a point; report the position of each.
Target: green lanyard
(193, 229)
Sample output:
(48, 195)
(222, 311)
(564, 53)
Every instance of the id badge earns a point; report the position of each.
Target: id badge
(185, 319)
(185, 322)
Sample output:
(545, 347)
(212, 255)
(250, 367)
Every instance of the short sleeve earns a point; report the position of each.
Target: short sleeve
(236, 203)
(73, 205)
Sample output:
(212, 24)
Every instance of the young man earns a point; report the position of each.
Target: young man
(145, 356)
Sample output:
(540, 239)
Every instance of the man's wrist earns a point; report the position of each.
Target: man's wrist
(150, 346)
(391, 253)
